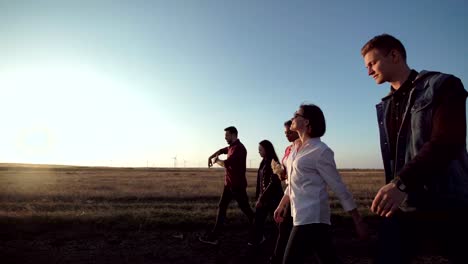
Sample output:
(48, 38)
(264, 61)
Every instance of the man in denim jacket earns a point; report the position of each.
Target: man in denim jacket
(422, 123)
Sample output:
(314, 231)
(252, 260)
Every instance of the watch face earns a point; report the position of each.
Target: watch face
(401, 186)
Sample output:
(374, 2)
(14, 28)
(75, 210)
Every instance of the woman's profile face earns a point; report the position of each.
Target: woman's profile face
(298, 121)
(261, 151)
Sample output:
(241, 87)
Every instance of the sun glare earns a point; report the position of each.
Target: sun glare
(42, 101)
(74, 113)
(36, 140)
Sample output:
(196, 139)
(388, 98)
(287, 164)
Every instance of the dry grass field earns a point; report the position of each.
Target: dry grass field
(66, 214)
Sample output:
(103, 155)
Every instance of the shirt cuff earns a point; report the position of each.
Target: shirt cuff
(348, 204)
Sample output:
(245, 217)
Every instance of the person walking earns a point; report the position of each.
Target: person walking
(311, 169)
(235, 183)
(268, 192)
(422, 125)
(284, 227)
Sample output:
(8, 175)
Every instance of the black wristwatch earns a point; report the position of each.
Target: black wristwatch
(400, 185)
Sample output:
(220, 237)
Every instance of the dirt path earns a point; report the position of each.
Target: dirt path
(75, 244)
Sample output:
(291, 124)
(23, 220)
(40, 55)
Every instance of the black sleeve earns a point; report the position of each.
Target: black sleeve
(272, 185)
(257, 189)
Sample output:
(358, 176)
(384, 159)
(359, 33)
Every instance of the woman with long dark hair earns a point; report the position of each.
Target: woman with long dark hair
(268, 193)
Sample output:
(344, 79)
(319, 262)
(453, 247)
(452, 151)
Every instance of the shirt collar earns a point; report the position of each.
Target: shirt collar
(407, 85)
(311, 142)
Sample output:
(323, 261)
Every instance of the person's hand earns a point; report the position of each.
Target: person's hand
(278, 214)
(210, 162)
(276, 168)
(387, 200)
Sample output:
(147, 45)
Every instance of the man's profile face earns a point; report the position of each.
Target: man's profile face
(229, 137)
(290, 135)
(379, 66)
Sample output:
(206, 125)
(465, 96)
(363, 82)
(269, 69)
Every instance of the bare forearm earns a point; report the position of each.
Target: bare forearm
(284, 201)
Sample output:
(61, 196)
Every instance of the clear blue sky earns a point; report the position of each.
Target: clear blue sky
(131, 83)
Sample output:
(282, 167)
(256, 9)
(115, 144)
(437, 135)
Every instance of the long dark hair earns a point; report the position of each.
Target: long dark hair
(270, 152)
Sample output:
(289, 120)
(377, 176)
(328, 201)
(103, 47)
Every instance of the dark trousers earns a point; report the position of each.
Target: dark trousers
(284, 229)
(314, 238)
(240, 195)
(261, 215)
(400, 237)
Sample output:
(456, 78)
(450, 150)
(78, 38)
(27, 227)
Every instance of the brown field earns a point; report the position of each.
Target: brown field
(66, 214)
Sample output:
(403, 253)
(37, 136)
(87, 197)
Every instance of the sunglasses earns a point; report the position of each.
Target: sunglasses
(297, 114)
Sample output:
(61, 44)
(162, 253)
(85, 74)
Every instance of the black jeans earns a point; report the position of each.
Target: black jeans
(314, 238)
(400, 237)
(240, 195)
(284, 229)
(261, 215)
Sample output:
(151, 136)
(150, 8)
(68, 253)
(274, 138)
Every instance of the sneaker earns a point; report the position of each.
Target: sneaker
(250, 243)
(209, 239)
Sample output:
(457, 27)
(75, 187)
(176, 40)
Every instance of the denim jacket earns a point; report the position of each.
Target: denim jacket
(416, 129)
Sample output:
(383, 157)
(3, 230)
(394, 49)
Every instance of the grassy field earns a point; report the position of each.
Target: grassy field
(65, 214)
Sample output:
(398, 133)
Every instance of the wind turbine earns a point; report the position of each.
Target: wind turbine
(175, 161)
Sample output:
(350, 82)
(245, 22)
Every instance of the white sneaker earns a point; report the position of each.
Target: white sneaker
(258, 243)
(208, 240)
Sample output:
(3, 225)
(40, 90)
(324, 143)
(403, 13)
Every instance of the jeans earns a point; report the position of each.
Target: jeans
(400, 237)
(284, 229)
(240, 195)
(310, 238)
(260, 216)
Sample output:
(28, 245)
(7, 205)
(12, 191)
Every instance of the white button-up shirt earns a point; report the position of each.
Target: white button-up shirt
(311, 170)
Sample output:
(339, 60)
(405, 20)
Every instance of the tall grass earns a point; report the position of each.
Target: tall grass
(135, 196)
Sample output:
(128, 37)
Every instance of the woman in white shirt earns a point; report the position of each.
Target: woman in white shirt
(311, 169)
